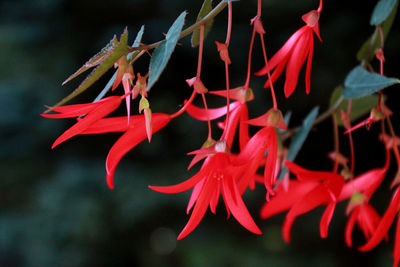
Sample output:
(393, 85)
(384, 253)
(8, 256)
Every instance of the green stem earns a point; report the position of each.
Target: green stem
(221, 6)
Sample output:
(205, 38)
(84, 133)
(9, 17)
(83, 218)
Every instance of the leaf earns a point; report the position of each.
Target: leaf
(382, 11)
(360, 106)
(298, 139)
(117, 50)
(367, 50)
(205, 9)
(162, 53)
(359, 82)
(95, 60)
(130, 57)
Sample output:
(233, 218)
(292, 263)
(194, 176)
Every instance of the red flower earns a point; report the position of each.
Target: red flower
(367, 219)
(216, 176)
(312, 189)
(92, 112)
(294, 53)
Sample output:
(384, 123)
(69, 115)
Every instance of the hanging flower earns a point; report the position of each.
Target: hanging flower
(293, 54)
(216, 177)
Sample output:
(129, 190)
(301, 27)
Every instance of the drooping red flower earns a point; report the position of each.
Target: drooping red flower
(216, 177)
(92, 112)
(312, 189)
(366, 218)
(293, 54)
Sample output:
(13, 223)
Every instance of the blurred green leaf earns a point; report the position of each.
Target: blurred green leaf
(299, 138)
(162, 53)
(360, 82)
(114, 52)
(205, 9)
(381, 11)
(367, 50)
(360, 106)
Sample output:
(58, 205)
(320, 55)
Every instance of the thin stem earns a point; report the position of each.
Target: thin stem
(246, 85)
(351, 143)
(259, 8)
(208, 116)
(268, 72)
(228, 37)
(228, 31)
(395, 147)
(335, 141)
(183, 109)
(200, 52)
(188, 30)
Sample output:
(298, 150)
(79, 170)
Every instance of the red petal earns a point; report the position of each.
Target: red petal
(200, 208)
(115, 124)
(213, 113)
(195, 194)
(237, 206)
(350, 225)
(284, 200)
(396, 250)
(308, 68)
(99, 112)
(296, 60)
(185, 185)
(326, 219)
(243, 127)
(128, 141)
(362, 183)
(258, 142)
(76, 110)
(384, 224)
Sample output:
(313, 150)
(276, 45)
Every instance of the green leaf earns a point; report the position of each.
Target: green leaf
(205, 9)
(114, 52)
(130, 57)
(299, 138)
(381, 11)
(359, 82)
(367, 50)
(162, 53)
(360, 106)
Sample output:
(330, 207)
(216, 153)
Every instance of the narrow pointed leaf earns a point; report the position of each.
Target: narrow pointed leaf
(360, 82)
(162, 53)
(118, 49)
(299, 138)
(205, 9)
(95, 60)
(382, 11)
(360, 106)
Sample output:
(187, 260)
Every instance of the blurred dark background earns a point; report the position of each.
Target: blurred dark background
(55, 208)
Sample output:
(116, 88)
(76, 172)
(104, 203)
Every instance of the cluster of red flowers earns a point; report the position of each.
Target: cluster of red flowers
(229, 174)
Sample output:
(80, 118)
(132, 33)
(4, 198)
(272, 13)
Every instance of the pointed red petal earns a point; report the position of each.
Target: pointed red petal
(195, 194)
(277, 72)
(350, 225)
(200, 208)
(185, 185)
(384, 224)
(128, 141)
(213, 113)
(326, 219)
(308, 68)
(111, 125)
(243, 127)
(396, 250)
(237, 206)
(284, 200)
(99, 112)
(296, 61)
(75, 110)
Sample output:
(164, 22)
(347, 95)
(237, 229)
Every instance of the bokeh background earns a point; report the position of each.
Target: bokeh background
(55, 208)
